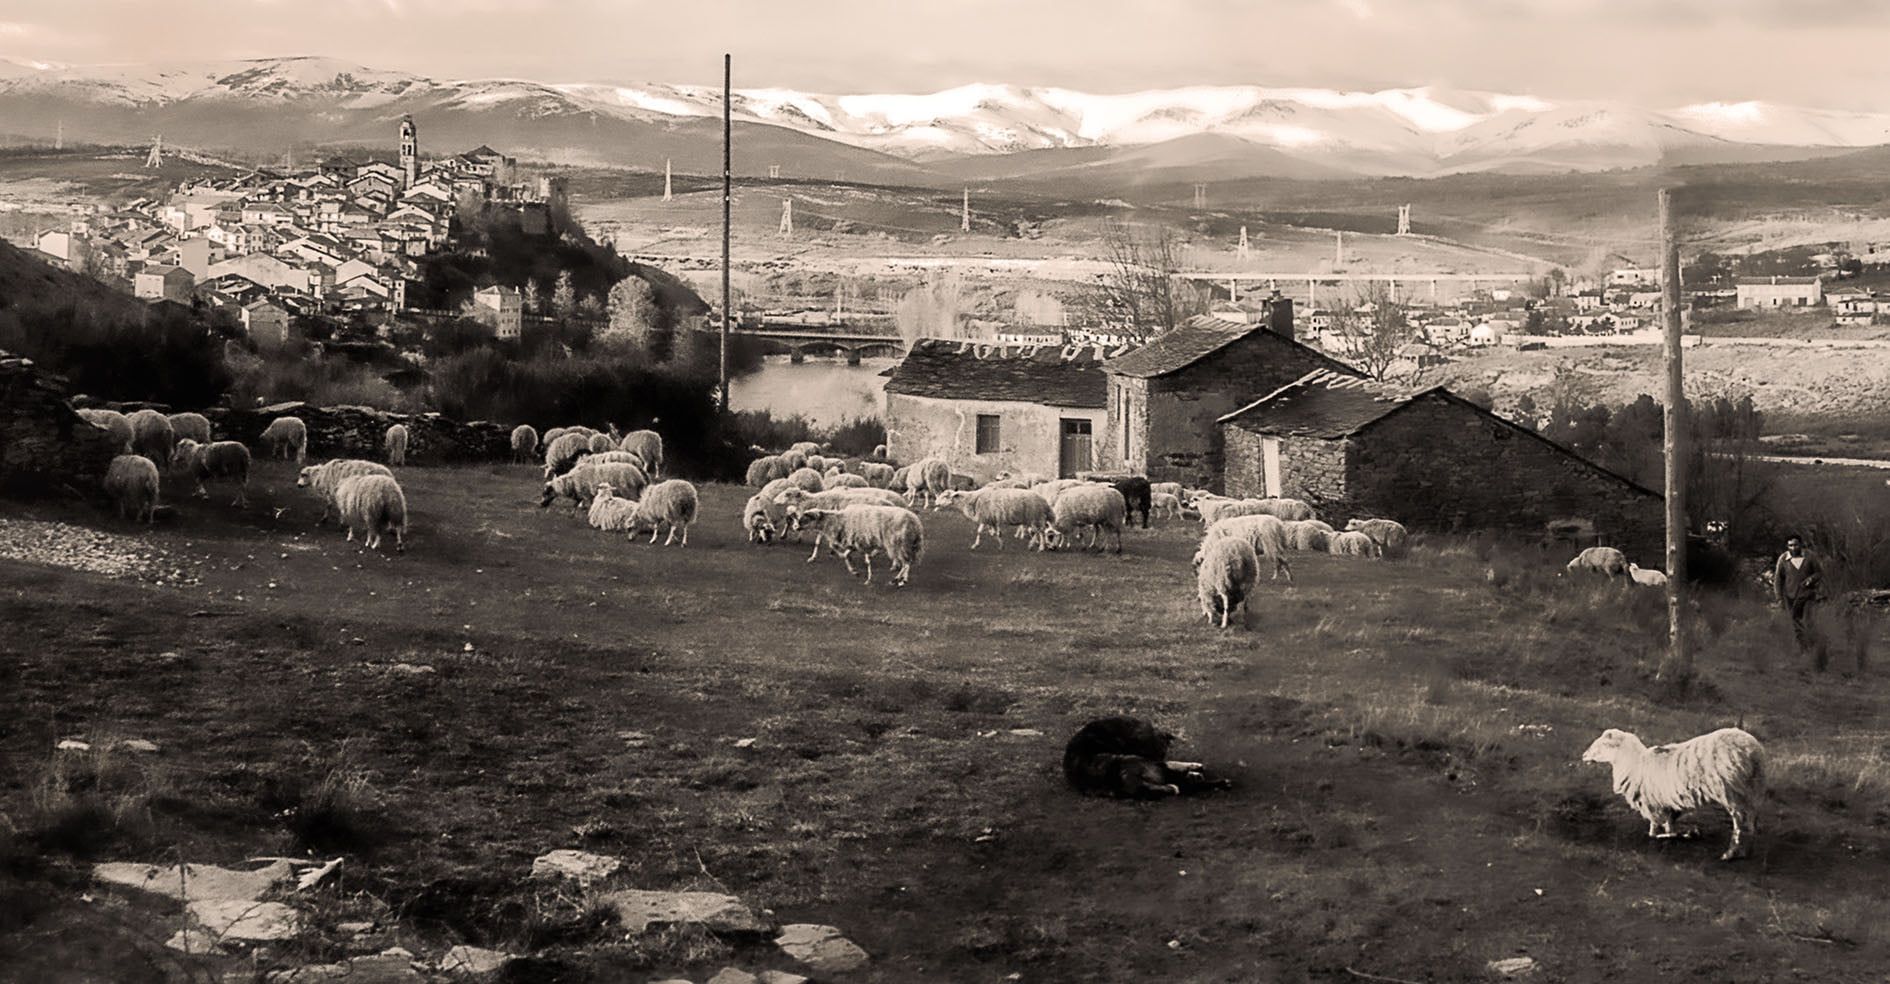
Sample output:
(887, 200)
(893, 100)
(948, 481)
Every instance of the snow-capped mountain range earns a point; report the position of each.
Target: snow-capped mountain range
(973, 130)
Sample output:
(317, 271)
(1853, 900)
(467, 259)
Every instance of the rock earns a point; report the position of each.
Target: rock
(196, 881)
(744, 743)
(241, 919)
(314, 876)
(357, 928)
(380, 968)
(73, 745)
(411, 669)
(638, 910)
(781, 977)
(473, 960)
(820, 947)
(729, 975)
(580, 866)
(634, 739)
(1513, 967)
(192, 940)
(1026, 733)
(139, 745)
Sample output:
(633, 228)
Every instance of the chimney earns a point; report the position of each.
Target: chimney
(1280, 314)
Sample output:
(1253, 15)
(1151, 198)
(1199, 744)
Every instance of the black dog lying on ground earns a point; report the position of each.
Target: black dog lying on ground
(1125, 756)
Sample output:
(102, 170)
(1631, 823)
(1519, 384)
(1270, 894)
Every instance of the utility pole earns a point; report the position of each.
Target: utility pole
(1338, 248)
(1200, 196)
(964, 215)
(728, 189)
(666, 185)
(1677, 668)
(1404, 220)
(156, 157)
(1243, 250)
(787, 218)
(59, 139)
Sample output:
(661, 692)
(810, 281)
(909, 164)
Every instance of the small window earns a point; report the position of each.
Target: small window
(987, 433)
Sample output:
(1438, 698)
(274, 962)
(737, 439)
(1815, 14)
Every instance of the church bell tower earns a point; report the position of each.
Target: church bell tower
(409, 153)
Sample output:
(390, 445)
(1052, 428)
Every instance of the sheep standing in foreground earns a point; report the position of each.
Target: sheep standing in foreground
(846, 480)
(1089, 504)
(807, 479)
(1725, 768)
(561, 454)
(599, 443)
(1644, 576)
(226, 461)
(1225, 572)
(901, 480)
(878, 474)
(1352, 543)
(395, 443)
(926, 480)
(1309, 535)
(1172, 488)
(286, 437)
(766, 469)
(608, 512)
(373, 504)
(774, 518)
(998, 509)
(1289, 510)
(1264, 532)
(580, 483)
(151, 436)
(892, 530)
(194, 426)
(821, 464)
(132, 482)
(1055, 487)
(670, 504)
(805, 448)
(1136, 492)
(1392, 538)
(792, 498)
(613, 458)
(117, 424)
(1165, 505)
(323, 479)
(755, 521)
(524, 444)
(794, 459)
(1603, 560)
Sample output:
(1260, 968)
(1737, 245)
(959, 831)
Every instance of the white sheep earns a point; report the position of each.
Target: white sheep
(1604, 560)
(998, 509)
(1264, 532)
(600, 443)
(820, 463)
(879, 452)
(1164, 505)
(194, 426)
(774, 512)
(1392, 538)
(151, 436)
(1215, 508)
(1647, 576)
(561, 453)
(222, 460)
(117, 424)
(608, 512)
(846, 480)
(1172, 488)
(545, 439)
(805, 447)
(395, 443)
(649, 445)
(1225, 571)
(323, 479)
(580, 483)
(373, 504)
(766, 469)
(808, 479)
(669, 504)
(1309, 535)
(1019, 480)
(892, 530)
(524, 443)
(1352, 543)
(1050, 490)
(132, 482)
(1725, 768)
(901, 479)
(286, 437)
(613, 458)
(878, 474)
(755, 521)
(794, 460)
(1090, 504)
(926, 480)
(793, 497)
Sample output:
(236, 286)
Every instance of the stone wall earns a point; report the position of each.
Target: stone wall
(357, 432)
(1311, 469)
(1184, 408)
(45, 447)
(1029, 434)
(1442, 465)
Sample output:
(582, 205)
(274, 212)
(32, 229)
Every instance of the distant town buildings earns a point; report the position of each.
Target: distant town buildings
(500, 307)
(1779, 292)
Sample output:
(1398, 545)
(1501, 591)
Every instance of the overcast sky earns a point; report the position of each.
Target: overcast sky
(1653, 52)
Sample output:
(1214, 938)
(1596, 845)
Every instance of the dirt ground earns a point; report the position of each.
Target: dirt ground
(1403, 737)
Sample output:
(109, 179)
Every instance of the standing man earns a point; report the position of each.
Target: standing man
(1797, 579)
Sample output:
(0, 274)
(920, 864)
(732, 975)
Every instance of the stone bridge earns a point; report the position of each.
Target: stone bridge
(800, 342)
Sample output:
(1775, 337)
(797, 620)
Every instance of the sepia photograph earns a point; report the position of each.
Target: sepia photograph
(962, 491)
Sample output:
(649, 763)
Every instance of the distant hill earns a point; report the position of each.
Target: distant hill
(27, 281)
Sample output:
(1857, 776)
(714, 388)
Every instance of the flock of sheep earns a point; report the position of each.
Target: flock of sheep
(611, 477)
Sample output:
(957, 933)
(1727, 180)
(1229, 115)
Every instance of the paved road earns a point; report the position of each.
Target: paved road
(1802, 459)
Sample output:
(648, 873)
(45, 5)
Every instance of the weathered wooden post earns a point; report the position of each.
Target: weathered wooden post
(1677, 667)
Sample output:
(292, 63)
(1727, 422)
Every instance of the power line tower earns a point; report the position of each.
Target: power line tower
(787, 217)
(1243, 250)
(964, 214)
(1200, 196)
(1404, 220)
(774, 171)
(666, 186)
(59, 138)
(156, 157)
(1338, 248)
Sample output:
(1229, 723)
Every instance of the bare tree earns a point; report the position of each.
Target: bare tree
(1375, 330)
(1140, 293)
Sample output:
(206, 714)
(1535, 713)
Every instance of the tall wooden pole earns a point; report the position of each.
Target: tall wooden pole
(1677, 668)
(727, 196)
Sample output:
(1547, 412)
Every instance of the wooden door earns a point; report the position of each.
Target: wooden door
(1270, 462)
(1074, 447)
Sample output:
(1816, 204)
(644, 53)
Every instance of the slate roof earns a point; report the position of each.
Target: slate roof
(1053, 375)
(1322, 404)
(1187, 344)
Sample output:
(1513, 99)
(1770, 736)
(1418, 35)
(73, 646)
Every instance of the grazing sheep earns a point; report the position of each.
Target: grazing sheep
(1215, 508)
(1021, 480)
(111, 420)
(524, 443)
(1172, 488)
(892, 530)
(601, 443)
(998, 509)
(879, 452)
(132, 483)
(223, 461)
(1390, 535)
(794, 497)
(1642, 575)
(1128, 757)
(1002, 482)
(648, 444)
(395, 442)
(794, 460)
(774, 512)
(805, 447)
(960, 482)
(1309, 535)
(580, 483)
(1725, 768)
(808, 479)
(878, 474)
(609, 513)
(901, 480)
(1290, 510)
(1089, 504)
(1135, 491)
(669, 504)
(612, 458)
(545, 439)
(1604, 560)
(373, 504)
(1352, 543)
(1225, 572)
(151, 436)
(1055, 487)
(755, 521)
(194, 426)
(561, 454)
(766, 469)
(926, 480)
(286, 437)
(845, 480)
(323, 479)
(821, 464)
(1165, 505)
(1264, 532)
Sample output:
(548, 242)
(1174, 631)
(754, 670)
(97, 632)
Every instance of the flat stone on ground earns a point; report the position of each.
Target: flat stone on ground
(730, 975)
(196, 881)
(377, 969)
(241, 919)
(579, 866)
(192, 940)
(781, 977)
(820, 947)
(1513, 966)
(638, 910)
(473, 960)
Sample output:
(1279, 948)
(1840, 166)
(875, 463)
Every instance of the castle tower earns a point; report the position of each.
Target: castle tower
(409, 153)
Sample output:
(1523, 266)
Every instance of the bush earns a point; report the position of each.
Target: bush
(855, 438)
(294, 373)
(162, 354)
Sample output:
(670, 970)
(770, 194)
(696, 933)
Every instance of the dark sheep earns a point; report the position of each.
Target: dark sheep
(1128, 757)
(1135, 492)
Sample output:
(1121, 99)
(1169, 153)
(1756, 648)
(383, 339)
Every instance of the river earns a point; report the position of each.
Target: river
(827, 391)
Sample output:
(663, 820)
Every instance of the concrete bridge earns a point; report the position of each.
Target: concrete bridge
(800, 342)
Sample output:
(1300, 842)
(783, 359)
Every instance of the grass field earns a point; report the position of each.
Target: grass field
(1403, 737)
